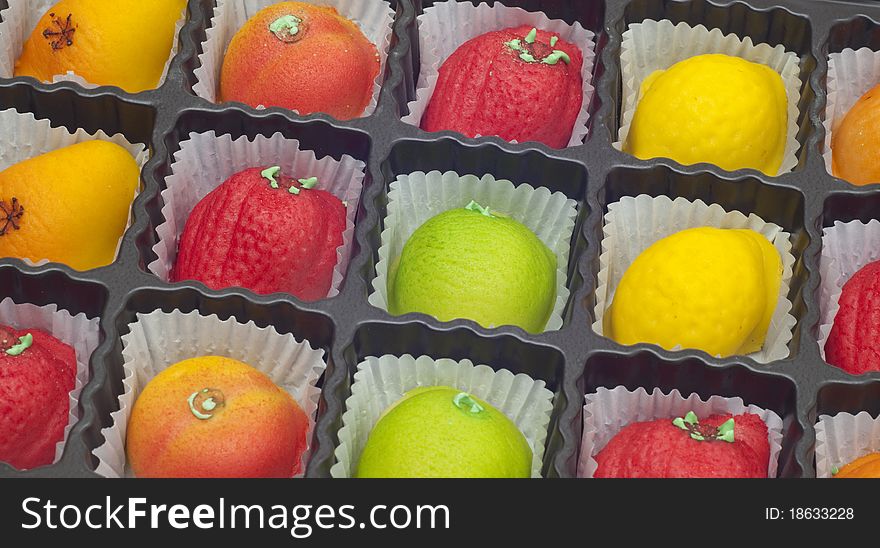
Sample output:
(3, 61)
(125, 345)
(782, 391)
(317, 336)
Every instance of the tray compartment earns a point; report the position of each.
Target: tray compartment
(849, 397)
(778, 204)
(573, 360)
(773, 26)
(589, 13)
(205, 10)
(316, 135)
(315, 327)
(41, 287)
(646, 370)
(532, 167)
(458, 343)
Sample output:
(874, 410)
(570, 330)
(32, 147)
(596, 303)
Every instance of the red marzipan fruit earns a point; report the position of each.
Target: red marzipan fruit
(659, 449)
(34, 397)
(486, 88)
(854, 342)
(247, 234)
(326, 65)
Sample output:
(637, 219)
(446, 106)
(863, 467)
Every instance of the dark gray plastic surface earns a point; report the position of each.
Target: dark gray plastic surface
(574, 360)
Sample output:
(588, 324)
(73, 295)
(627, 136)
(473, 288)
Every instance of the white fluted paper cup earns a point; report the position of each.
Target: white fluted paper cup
(374, 17)
(445, 26)
(843, 438)
(380, 382)
(608, 411)
(207, 160)
(415, 198)
(24, 136)
(635, 223)
(18, 21)
(160, 339)
(851, 73)
(846, 249)
(657, 45)
(79, 332)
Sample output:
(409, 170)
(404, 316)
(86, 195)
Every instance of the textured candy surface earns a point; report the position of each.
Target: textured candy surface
(70, 205)
(245, 233)
(301, 57)
(707, 288)
(659, 449)
(712, 108)
(486, 88)
(34, 397)
(215, 417)
(463, 264)
(441, 432)
(854, 342)
(124, 43)
(855, 142)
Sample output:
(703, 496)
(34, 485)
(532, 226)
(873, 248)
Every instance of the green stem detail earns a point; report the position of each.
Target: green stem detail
(700, 432)
(555, 56)
(304, 184)
(309, 183)
(204, 403)
(270, 174)
(24, 343)
(527, 51)
(466, 402)
(515, 44)
(474, 206)
(286, 28)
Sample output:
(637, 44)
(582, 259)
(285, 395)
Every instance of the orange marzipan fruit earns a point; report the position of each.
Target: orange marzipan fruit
(124, 43)
(214, 416)
(301, 57)
(855, 144)
(69, 205)
(863, 467)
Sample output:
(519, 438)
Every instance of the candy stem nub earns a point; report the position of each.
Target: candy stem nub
(474, 206)
(465, 402)
(269, 174)
(24, 343)
(286, 28)
(308, 183)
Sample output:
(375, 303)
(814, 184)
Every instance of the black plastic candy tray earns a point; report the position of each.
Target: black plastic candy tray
(574, 360)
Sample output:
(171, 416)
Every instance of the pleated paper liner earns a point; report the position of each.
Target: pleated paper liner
(657, 45)
(843, 438)
(445, 26)
(18, 21)
(608, 411)
(160, 339)
(851, 73)
(634, 224)
(380, 382)
(206, 160)
(417, 197)
(374, 17)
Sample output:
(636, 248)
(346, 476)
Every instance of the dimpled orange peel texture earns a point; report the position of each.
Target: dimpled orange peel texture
(124, 43)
